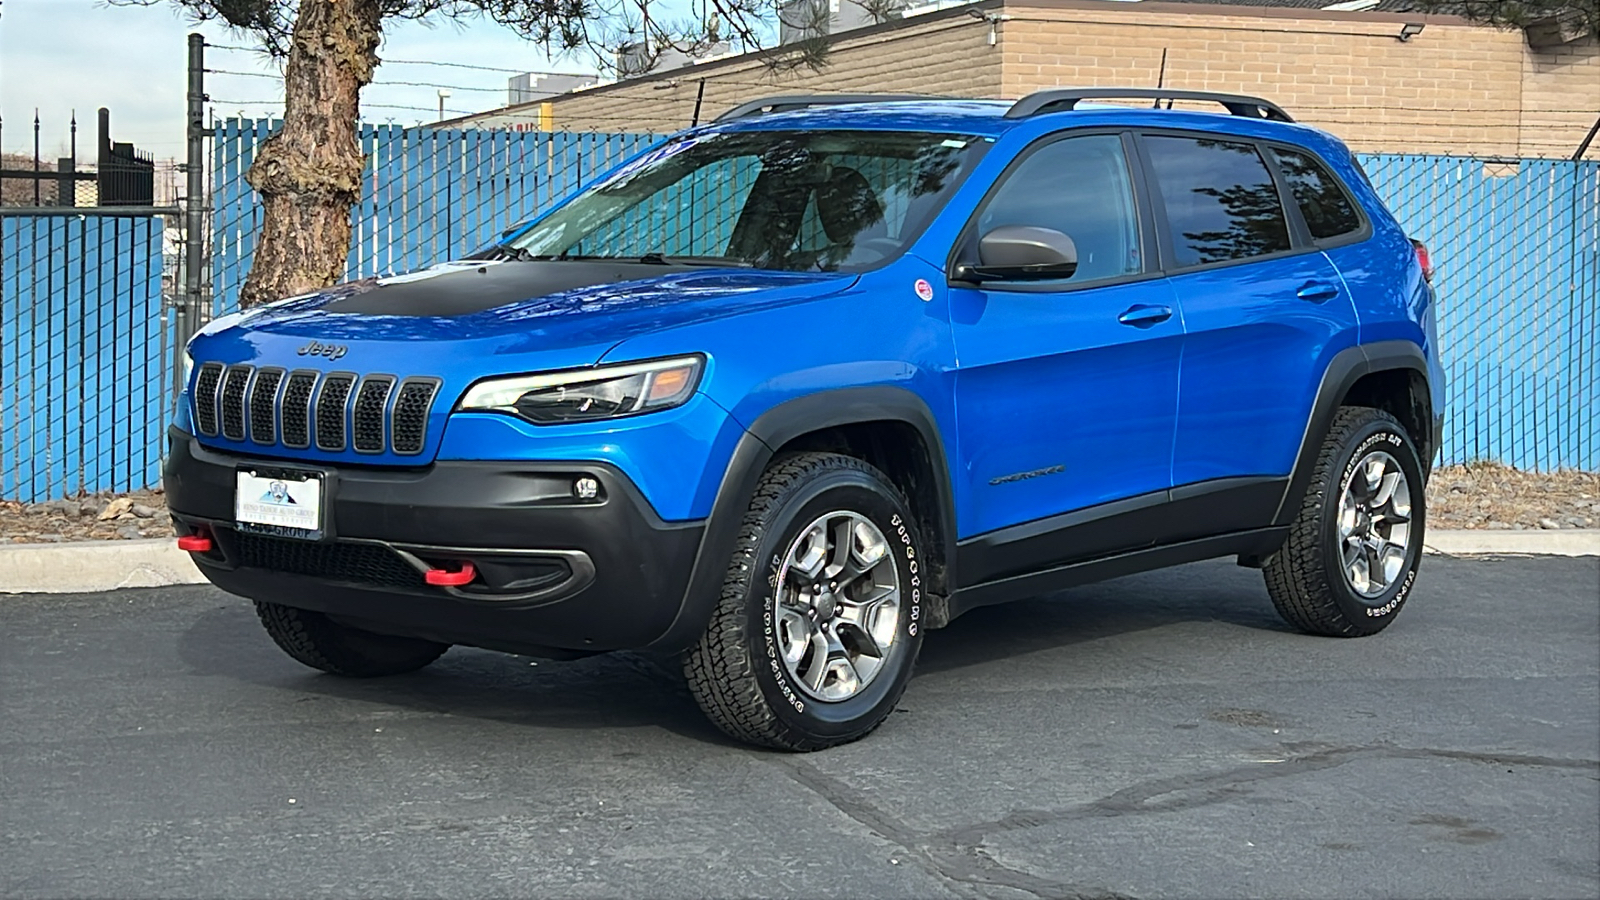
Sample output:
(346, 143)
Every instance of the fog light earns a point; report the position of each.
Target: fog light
(586, 488)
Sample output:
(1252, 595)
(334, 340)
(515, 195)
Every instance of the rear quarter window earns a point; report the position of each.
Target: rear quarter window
(1323, 201)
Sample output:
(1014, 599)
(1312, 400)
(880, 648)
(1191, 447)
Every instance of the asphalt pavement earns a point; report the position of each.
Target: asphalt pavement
(1157, 736)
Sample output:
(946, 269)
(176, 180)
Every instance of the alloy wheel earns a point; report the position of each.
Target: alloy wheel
(837, 605)
(1375, 524)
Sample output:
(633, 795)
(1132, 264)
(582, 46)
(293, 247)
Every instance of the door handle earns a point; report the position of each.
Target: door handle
(1317, 291)
(1142, 315)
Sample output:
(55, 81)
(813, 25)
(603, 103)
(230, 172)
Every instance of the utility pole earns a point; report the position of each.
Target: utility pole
(189, 308)
(1587, 140)
(36, 157)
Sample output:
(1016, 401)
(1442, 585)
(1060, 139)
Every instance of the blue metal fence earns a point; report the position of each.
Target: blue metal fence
(428, 194)
(83, 354)
(1517, 245)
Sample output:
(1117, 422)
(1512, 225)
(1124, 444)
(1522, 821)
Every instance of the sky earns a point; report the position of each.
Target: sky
(64, 55)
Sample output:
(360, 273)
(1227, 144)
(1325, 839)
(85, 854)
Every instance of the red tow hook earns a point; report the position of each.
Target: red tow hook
(447, 578)
(195, 543)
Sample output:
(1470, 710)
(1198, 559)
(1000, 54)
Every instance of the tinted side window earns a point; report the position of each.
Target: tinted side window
(1220, 198)
(1080, 187)
(1326, 207)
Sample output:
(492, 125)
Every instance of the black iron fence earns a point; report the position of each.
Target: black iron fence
(122, 175)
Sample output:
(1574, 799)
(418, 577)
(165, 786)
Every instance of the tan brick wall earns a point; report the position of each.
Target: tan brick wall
(1560, 99)
(1454, 88)
(943, 56)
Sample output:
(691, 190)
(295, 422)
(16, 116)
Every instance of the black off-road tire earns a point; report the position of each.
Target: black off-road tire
(735, 671)
(1306, 578)
(321, 643)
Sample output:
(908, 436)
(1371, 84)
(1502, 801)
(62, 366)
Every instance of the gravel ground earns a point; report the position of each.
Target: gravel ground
(1482, 495)
(99, 517)
(1489, 495)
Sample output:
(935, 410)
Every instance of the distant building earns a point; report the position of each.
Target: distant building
(534, 86)
(1361, 69)
(640, 59)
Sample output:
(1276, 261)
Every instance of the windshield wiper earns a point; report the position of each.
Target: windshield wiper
(661, 259)
(522, 254)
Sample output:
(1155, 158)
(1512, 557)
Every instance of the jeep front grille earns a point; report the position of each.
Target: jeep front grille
(333, 411)
(263, 404)
(408, 426)
(299, 409)
(205, 385)
(371, 401)
(233, 387)
(296, 409)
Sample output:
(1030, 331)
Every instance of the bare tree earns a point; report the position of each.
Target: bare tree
(309, 173)
(1574, 16)
(18, 191)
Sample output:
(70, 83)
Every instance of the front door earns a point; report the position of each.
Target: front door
(1066, 391)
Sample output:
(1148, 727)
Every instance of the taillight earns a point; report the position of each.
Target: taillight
(1423, 259)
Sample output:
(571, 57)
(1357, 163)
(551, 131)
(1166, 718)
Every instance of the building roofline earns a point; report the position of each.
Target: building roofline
(694, 71)
(691, 72)
(1244, 9)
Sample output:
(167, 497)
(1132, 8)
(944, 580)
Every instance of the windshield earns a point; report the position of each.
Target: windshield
(831, 201)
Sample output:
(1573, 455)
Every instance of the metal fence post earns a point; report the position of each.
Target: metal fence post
(188, 312)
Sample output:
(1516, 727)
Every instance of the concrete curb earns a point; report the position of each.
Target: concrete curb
(86, 566)
(89, 566)
(1564, 542)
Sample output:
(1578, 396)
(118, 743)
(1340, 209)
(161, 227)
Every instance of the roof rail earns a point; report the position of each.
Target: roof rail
(1063, 99)
(803, 101)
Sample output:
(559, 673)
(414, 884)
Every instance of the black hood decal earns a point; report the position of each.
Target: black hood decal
(460, 289)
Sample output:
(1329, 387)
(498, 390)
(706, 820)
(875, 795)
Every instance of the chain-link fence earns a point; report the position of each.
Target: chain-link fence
(1517, 243)
(1517, 246)
(83, 353)
(85, 361)
(428, 195)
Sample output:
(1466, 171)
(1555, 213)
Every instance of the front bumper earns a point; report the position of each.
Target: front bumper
(556, 575)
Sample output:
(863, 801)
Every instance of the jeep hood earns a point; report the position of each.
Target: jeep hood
(465, 320)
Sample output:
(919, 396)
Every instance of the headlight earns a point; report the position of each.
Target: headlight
(188, 368)
(588, 395)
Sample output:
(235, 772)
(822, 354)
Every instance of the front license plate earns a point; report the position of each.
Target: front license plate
(282, 503)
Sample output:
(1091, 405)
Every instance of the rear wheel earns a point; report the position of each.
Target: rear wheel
(819, 622)
(321, 643)
(1353, 549)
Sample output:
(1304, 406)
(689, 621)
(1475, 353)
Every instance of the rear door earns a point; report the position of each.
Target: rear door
(1264, 310)
(1066, 390)
(1376, 268)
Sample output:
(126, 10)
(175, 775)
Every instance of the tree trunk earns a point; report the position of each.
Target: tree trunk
(309, 174)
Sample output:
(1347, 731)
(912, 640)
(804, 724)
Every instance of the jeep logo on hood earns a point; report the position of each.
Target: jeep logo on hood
(331, 351)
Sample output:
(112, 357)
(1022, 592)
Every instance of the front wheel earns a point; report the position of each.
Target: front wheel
(1353, 549)
(321, 643)
(819, 624)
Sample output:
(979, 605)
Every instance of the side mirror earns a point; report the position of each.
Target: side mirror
(1021, 253)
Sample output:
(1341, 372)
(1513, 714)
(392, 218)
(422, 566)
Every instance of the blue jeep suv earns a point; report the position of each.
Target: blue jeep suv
(788, 390)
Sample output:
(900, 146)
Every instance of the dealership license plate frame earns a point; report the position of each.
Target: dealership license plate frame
(301, 485)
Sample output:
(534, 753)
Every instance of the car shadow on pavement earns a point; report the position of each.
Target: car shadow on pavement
(631, 690)
(1213, 591)
(614, 690)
